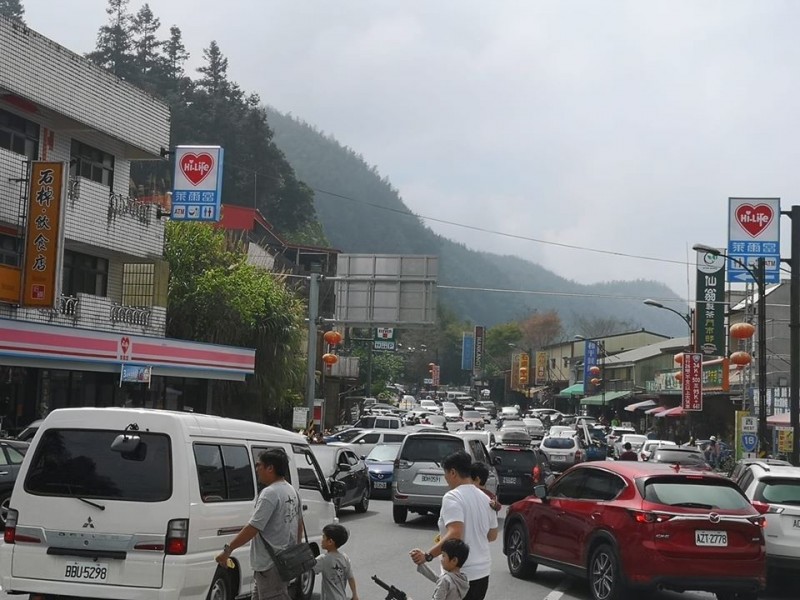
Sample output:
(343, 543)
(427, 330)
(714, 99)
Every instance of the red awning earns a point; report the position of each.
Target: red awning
(778, 419)
(655, 410)
(671, 412)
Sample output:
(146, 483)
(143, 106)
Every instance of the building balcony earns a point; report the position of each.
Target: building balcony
(87, 311)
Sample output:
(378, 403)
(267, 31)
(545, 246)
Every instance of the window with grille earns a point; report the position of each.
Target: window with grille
(10, 248)
(84, 273)
(19, 135)
(138, 284)
(91, 163)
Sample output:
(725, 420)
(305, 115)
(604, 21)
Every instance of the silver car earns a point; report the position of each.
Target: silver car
(418, 482)
(562, 452)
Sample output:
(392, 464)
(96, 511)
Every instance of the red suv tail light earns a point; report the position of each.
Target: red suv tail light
(177, 536)
(645, 516)
(10, 534)
(765, 508)
(759, 520)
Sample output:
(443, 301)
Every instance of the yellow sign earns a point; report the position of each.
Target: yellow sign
(10, 278)
(785, 440)
(44, 231)
(524, 363)
(541, 368)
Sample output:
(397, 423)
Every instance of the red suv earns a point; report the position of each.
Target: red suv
(634, 525)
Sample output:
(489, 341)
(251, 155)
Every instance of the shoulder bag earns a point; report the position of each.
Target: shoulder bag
(297, 558)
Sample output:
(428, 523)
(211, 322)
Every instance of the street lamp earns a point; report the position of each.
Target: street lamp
(760, 278)
(686, 317)
(601, 347)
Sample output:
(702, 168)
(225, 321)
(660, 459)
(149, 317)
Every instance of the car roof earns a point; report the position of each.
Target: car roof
(638, 469)
(778, 470)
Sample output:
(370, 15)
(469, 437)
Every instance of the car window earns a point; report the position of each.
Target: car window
(370, 438)
(559, 443)
(393, 437)
(15, 456)
(778, 491)
(678, 457)
(569, 486)
(515, 459)
(79, 463)
(256, 452)
(429, 448)
(342, 459)
(746, 480)
(678, 491)
(223, 473)
(346, 436)
(352, 459)
(309, 473)
(600, 485)
(385, 423)
(479, 451)
(3, 458)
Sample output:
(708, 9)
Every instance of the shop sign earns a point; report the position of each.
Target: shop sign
(709, 325)
(541, 368)
(692, 382)
(44, 235)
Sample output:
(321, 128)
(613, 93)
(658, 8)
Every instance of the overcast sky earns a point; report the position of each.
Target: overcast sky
(621, 126)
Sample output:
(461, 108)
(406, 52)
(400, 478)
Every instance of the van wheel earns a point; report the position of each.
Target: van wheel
(221, 588)
(363, 506)
(400, 513)
(302, 587)
(5, 504)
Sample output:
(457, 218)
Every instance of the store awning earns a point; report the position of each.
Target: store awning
(671, 412)
(573, 390)
(657, 409)
(27, 344)
(643, 404)
(604, 399)
(778, 419)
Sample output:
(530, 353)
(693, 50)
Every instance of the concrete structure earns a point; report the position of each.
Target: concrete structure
(57, 106)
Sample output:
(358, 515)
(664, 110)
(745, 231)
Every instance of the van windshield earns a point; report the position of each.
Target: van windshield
(79, 463)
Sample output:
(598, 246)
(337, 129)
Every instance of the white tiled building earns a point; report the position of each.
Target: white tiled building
(55, 105)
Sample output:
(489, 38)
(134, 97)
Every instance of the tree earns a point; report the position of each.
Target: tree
(541, 329)
(593, 327)
(175, 54)
(145, 45)
(216, 296)
(498, 347)
(12, 9)
(113, 50)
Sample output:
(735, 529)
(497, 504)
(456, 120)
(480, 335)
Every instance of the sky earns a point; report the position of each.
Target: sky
(620, 126)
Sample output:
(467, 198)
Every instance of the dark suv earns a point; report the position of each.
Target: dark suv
(519, 469)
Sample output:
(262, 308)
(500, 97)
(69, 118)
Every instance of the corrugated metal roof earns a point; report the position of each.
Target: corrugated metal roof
(650, 351)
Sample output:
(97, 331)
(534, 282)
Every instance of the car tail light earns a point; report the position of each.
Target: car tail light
(578, 455)
(645, 516)
(536, 473)
(177, 536)
(10, 534)
(759, 520)
(765, 508)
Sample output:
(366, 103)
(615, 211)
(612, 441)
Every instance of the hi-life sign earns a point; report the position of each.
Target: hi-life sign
(754, 232)
(197, 187)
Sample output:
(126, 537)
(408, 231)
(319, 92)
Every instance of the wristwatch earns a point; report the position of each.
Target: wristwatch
(428, 557)
(227, 549)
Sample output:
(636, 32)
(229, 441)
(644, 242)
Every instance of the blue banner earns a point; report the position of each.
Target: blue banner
(589, 361)
(467, 351)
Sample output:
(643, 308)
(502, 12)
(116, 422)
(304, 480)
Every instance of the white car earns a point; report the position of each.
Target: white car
(650, 445)
(430, 405)
(562, 452)
(451, 411)
(473, 418)
(557, 430)
(534, 427)
(487, 418)
(775, 492)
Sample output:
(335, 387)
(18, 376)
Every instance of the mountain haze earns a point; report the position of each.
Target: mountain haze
(361, 212)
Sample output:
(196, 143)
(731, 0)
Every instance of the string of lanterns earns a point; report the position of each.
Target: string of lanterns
(332, 339)
(740, 358)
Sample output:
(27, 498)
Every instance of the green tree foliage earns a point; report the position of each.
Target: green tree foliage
(114, 43)
(216, 296)
(541, 329)
(498, 349)
(145, 44)
(12, 9)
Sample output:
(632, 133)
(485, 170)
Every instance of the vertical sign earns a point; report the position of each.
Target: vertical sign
(44, 235)
(709, 324)
(524, 370)
(514, 385)
(589, 361)
(477, 361)
(435, 375)
(692, 382)
(467, 350)
(541, 369)
(197, 187)
(754, 232)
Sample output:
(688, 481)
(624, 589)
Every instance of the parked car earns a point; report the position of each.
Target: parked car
(775, 492)
(378, 422)
(650, 445)
(519, 470)
(451, 412)
(26, 435)
(691, 458)
(364, 441)
(473, 419)
(343, 465)
(11, 454)
(418, 478)
(342, 436)
(741, 466)
(488, 438)
(534, 427)
(380, 408)
(556, 430)
(380, 464)
(633, 527)
(431, 406)
(514, 435)
(635, 440)
(562, 452)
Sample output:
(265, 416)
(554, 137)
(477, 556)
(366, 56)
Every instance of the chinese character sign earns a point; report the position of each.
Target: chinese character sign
(709, 326)
(197, 188)
(692, 382)
(541, 368)
(589, 361)
(44, 234)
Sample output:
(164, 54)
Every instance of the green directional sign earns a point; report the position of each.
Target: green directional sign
(384, 339)
(709, 325)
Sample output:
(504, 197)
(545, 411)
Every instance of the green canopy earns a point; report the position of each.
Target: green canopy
(573, 390)
(609, 397)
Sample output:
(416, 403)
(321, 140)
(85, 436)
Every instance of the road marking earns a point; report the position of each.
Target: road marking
(557, 593)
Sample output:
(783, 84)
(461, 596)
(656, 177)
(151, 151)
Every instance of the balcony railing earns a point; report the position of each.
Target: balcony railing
(133, 315)
(119, 204)
(69, 306)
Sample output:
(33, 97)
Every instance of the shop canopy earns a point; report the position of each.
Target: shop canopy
(671, 412)
(573, 390)
(778, 419)
(656, 410)
(643, 404)
(604, 399)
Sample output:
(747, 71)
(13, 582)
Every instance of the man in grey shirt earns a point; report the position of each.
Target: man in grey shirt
(275, 520)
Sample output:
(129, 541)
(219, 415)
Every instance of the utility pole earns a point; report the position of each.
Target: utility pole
(764, 443)
(313, 317)
(794, 336)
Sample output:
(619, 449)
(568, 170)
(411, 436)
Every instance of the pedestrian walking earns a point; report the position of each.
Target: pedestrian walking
(467, 516)
(452, 584)
(334, 566)
(712, 452)
(629, 454)
(275, 520)
(479, 473)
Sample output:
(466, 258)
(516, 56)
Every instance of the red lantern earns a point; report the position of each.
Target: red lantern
(679, 376)
(332, 337)
(742, 331)
(741, 358)
(330, 359)
(679, 358)
(595, 381)
(594, 370)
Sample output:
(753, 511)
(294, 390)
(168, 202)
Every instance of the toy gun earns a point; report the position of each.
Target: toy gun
(394, 593)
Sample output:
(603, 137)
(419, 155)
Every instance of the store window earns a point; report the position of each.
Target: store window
(10, 250)
(19, 135)
(90, 163)
(85, 274)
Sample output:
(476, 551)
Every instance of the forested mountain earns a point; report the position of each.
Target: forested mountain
(361, 212)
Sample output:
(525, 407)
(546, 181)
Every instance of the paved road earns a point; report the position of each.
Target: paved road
(379, 546)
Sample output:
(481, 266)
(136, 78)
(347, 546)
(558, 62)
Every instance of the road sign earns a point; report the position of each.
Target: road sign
(384, 339)
(384, 345)
(692, 382)
(749, 442)
(749, 425)
(753, 233)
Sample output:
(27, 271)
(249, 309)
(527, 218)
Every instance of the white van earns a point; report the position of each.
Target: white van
(135, 504)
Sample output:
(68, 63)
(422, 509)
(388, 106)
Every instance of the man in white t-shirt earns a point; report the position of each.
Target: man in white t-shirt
(465, 515)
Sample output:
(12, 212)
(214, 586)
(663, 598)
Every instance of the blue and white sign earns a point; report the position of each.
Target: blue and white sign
(589, 361)
(754, 232)
(467, 350)
(197, 183)
(749, 442)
